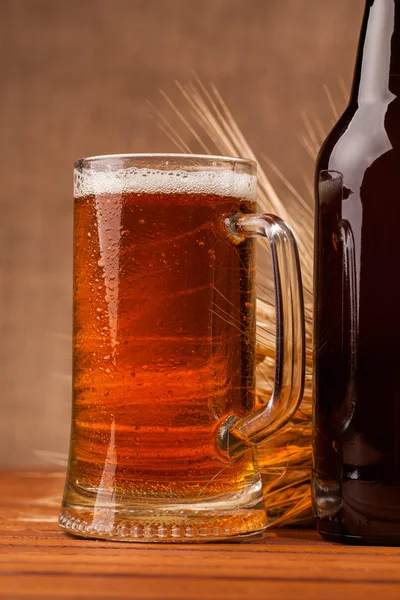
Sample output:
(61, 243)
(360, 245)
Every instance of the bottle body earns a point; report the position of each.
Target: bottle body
(356, 476)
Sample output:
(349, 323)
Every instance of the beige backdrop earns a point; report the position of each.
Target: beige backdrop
(76, 76)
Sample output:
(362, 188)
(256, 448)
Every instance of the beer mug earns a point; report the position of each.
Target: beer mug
(165, 419)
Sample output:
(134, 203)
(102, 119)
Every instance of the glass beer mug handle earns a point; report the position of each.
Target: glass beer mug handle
(238, 434)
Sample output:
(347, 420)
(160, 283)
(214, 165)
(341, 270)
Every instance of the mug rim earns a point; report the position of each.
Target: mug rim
(167, 155)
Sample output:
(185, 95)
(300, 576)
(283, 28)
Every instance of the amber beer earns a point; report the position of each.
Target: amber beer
(163, 338)
(164, 350)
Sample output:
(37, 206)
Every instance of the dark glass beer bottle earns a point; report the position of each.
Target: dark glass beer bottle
(356, 476)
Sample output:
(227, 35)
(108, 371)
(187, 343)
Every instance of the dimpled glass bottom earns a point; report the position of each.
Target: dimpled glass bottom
(228, 516)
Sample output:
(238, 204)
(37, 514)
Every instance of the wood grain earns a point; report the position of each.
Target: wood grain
(39, 561)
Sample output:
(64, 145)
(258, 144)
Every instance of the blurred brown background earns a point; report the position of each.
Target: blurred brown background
(75, 80)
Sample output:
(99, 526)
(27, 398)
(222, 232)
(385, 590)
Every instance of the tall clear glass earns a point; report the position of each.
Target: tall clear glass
(164, 419)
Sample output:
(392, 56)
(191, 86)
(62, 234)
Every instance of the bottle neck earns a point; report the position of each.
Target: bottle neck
(377, 73)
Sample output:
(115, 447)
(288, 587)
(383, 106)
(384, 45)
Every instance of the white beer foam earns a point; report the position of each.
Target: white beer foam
(152, 181)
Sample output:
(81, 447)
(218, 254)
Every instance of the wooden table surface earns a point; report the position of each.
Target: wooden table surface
(39, 561)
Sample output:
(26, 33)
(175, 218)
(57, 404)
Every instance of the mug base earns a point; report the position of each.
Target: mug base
(237, 515)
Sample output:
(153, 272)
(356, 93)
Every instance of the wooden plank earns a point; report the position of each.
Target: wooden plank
(190, 589)
(39, 561)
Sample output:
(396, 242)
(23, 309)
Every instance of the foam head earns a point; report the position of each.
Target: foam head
(158, 181)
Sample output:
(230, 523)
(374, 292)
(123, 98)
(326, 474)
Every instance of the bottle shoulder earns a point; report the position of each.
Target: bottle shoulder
(361, 136)
(336, 133)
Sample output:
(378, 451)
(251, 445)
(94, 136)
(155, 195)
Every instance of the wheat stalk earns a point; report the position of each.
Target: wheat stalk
(201, 112)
